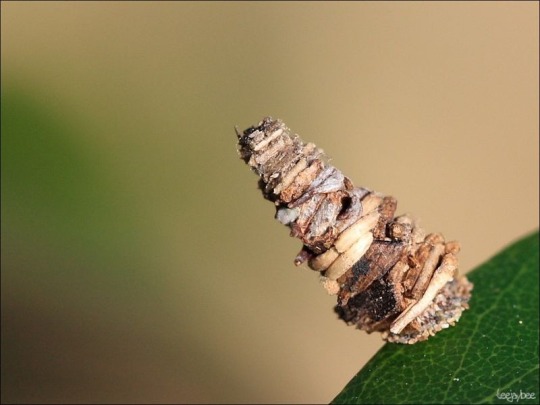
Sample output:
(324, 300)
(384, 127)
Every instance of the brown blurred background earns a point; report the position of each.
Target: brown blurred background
(139, 261)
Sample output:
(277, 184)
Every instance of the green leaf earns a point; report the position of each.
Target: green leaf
(491, 352)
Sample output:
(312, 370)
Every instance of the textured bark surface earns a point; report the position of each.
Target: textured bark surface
(388, 275)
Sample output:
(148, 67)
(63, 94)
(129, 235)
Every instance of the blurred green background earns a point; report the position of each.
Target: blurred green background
(139, 261)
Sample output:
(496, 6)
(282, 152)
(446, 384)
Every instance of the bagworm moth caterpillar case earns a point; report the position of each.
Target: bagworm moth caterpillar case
(388, 274)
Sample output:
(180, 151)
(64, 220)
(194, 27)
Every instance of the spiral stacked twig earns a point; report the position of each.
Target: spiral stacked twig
(388, 275)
